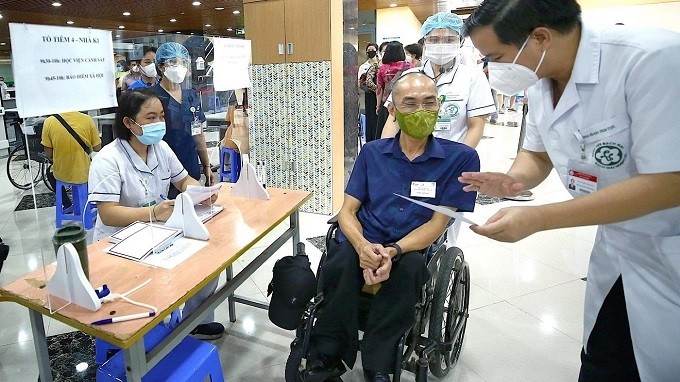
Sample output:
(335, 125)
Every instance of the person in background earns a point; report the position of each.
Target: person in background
(369, 87)
(603, 102)
(130, 177)
(375, 244)
(183, 114)
(463, 89)
(4, 252)
(121, 71)
(71, 164)
(133, 75)
(147, 69)
(3, 89)
(393, 65)
(414, 52)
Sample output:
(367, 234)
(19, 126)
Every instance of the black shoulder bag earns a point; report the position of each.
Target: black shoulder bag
(75, 135)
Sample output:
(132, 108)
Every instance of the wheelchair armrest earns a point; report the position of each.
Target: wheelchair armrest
(333, 219)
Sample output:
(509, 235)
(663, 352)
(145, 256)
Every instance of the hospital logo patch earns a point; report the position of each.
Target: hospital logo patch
(609, 155)
(451, 109)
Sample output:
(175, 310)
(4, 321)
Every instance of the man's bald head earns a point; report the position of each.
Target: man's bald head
(410, 83)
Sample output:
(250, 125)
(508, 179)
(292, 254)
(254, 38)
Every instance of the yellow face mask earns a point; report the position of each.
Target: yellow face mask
(418, 124)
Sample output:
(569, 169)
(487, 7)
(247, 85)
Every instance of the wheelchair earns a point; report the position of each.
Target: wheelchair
(434, 341)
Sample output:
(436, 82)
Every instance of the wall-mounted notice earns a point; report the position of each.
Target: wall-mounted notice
(60, 69)
(232, 59)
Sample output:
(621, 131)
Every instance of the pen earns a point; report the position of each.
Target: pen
(128, 317)
(162, 197)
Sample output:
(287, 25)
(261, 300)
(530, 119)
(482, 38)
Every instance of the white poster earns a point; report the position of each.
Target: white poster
(232, 59)
(61, 69)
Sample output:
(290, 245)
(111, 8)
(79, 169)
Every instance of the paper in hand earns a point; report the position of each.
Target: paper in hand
(200, 193)
(444, 210)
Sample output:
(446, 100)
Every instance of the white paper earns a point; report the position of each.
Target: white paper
(126, 232)
(52, 62)
(200, 193)
(232, 60)
(444, 210)
(180, 250)
(143, 242)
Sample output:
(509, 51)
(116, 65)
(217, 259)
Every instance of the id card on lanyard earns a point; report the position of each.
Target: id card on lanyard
(582, 177)
(196, 125)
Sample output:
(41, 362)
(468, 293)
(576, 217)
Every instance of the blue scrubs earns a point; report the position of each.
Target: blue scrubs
(178, 119)
(382, 169)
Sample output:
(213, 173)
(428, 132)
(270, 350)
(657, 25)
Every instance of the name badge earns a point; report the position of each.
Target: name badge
(196, 128)
(581, 178)
(424, 189)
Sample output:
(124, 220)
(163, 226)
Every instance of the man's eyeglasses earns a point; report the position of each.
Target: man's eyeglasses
(411, 106)
(442, 40)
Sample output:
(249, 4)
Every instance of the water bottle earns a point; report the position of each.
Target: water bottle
(74, 234)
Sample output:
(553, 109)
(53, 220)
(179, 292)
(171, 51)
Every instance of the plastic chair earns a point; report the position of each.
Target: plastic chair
(104, 350)
(234, 164)
(75, 213)
(192, 360)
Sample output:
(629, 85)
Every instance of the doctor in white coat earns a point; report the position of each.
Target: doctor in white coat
(603, 114)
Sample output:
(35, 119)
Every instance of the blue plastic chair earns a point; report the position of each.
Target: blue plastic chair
(104, 350)
(234, 164)
(75, 213)
(191, 361)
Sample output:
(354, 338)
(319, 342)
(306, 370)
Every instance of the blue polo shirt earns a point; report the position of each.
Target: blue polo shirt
(178, 119)
(382, 169)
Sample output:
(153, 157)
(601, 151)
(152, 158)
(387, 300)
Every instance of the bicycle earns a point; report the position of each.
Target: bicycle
(22, 171)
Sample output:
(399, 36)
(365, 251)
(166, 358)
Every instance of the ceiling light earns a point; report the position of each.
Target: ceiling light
(121, 27)
(208, 25)
(126, 13)
(393, 5)
(196, 3)
(117, 36)
(3, 43)
(160, 31)
(56, 4)
(178, 32)
(173, 20)
(230, 29)
(219, 8)
(0, 16)
(236, 12)
(69, 22)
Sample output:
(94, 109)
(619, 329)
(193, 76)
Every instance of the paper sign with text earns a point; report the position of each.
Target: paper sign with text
(232, 60)
(61, 69)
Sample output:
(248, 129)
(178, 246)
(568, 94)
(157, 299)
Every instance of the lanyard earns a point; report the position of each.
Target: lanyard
(582, 143)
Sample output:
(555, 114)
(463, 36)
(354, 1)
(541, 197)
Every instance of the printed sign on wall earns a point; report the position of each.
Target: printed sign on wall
(232, 59)
(61, 69)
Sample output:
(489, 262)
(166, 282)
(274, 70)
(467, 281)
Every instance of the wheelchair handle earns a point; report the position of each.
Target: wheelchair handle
(300, 249)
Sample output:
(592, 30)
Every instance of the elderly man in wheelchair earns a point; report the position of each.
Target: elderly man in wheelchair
(381, 236)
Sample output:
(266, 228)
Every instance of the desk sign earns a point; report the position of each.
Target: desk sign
(61, 69)
(232, 60)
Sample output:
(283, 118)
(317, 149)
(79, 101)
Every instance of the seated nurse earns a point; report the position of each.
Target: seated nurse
(130, 178)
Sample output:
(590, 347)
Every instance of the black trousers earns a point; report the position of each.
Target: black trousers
(391, 314)
(610, 349)
(65, 201)
(382, 118)
(371, 115)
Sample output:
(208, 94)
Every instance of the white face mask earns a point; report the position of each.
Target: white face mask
(512, 78)
(149, 70)
(175, 74)
(409, 58)
(441, 54)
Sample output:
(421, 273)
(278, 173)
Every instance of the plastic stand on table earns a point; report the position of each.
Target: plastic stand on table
(248, 184)
(184, 217)
(69, 282)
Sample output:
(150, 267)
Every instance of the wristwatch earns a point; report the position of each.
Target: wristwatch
(399, 251)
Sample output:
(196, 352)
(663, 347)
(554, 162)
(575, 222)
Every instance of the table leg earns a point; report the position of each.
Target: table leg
(135, 361)
(230, 299)
(295, 224)
(40, 343)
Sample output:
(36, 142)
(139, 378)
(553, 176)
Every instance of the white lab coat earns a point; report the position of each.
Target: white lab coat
(623, 96)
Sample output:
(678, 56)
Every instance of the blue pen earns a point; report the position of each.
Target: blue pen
(162, 197)
(128, 317)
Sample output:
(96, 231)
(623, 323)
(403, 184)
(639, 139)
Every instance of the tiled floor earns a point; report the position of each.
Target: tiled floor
(526, 298)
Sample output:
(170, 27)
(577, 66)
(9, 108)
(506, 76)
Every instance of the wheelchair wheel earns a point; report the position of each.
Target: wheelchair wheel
(21, 172)
(46, 168)
(449, 311)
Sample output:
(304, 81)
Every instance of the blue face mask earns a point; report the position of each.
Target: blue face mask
(152, 133)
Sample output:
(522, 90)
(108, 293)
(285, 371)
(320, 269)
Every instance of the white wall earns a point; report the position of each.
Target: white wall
(397, 24)
(662, 15)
